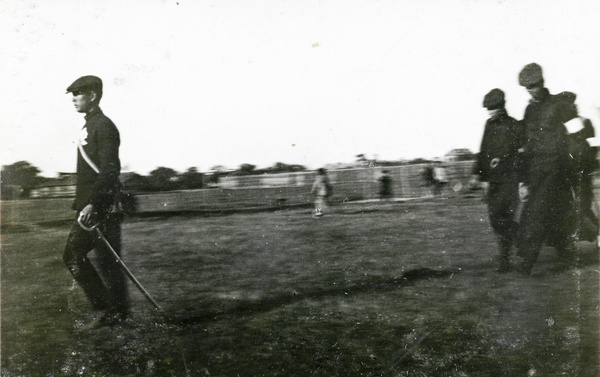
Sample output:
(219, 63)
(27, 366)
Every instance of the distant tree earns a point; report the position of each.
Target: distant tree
(419, 161)
(164, 179)
(217, 172)
(219, 168)
(280, 167)
(390, 163)
(22, 174)
(246, 169)
(460, 154)
(362, 158)
(192, 179)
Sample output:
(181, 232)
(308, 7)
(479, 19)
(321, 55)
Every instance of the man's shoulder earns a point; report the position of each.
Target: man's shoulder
(560, 100)
(105, 120)
(501, 121)
(512, 120)
(102, 123)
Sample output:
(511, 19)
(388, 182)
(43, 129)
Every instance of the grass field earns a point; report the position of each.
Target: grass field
(379, 289)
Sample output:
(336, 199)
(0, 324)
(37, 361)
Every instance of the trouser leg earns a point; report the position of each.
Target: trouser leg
(114, 277)
(564, 229)
(79, 244)
(589, 225)
(531, 236)
(505, 236)
(505, 245)
(530, 244)
(502, 200)
(320, 205)
(547, 216)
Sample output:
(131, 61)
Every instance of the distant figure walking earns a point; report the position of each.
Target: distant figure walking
(385, 186)
(440, 179)
(321, 189)
(428, 177)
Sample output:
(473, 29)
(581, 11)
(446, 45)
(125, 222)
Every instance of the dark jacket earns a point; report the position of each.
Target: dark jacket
(100, 140)
(498, 156)
(589, 158)
(582, 154)
(547, 145)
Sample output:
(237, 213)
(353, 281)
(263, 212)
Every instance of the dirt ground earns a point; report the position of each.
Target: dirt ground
(376, 289)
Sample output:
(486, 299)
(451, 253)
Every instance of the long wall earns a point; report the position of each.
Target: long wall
(361, 183)
(268, 191)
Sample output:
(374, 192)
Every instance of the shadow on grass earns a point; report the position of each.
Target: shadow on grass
(246, 308)
(218, 212)
(28, 226)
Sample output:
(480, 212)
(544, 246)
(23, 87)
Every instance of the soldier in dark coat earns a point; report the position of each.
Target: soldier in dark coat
(98, 169)
(547, 173)
(585, 163)
(496, 164)
(589, 228)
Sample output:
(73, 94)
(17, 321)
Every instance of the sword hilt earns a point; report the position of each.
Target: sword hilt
(83, 226)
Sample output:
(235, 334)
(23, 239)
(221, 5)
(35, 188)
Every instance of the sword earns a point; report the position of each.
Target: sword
(94, 228)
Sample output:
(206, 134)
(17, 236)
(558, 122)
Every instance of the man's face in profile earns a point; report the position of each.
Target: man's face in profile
(83, 100)
(535, 90)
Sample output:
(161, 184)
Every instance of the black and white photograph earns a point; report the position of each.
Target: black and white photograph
(377, 188)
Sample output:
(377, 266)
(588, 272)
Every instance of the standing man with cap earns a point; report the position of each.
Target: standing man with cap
(98, 169)
(496, 164)
(546, 172)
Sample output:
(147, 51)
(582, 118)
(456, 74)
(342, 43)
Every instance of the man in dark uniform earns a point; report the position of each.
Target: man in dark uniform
(585, 163)
(547, 173)
(497, 164)
(98, 169)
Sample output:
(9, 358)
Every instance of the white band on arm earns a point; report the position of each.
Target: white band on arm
(574, 125)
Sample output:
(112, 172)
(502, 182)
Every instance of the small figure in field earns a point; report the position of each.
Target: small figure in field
(440, 178)
(98, 168)
(321, 189)
(428, 177)
(386, 191)
(496, 165)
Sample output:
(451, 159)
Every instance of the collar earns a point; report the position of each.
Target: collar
(500, 114)
(93, 113)
(545, 95)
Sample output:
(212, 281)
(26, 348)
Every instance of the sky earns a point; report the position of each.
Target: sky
(205, 83)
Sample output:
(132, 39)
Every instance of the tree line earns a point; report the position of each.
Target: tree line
(19, 179)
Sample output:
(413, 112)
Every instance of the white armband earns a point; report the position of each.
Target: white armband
(574, 125)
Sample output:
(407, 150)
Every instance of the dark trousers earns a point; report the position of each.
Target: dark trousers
(588, 222)
(548, 216)
(106, 290)
(502, 201)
